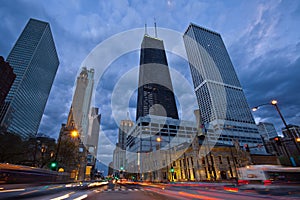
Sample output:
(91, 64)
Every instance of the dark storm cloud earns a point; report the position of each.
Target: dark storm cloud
(266, 59)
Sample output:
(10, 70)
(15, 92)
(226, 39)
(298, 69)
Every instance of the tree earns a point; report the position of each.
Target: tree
(11, 148)
(68, 154)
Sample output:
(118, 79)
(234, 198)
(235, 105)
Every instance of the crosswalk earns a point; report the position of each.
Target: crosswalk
(119, 190)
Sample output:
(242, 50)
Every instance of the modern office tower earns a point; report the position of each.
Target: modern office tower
(80, 108)
(34, 60)
(119, 154)
(220, 97)
(267, 130)
(155, 92)
(7, 77)
(124, 128)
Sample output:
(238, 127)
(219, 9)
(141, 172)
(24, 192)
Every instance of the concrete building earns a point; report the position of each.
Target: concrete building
(119, 154)
(81, 102)
(197, 159)
(222, 103)
(34, 60)
(150, 144)
(267, 130)
(86, 121)
(294, 131)
(93, 133)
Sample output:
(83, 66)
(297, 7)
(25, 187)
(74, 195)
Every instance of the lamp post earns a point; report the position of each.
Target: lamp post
(158, 139)
(274, 103)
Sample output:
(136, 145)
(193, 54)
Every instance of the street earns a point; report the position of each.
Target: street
(139, 191)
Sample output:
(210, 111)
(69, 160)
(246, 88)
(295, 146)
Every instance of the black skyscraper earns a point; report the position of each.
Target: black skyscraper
(155, 92)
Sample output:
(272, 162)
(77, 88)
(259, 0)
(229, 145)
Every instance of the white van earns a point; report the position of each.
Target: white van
(268, 174)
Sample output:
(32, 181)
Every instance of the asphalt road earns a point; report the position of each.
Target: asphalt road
(138, 191)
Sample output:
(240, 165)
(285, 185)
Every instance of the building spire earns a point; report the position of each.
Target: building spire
(155, 27)
(146, 29)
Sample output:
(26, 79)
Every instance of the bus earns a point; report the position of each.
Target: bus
(268, 174)
(10, 173)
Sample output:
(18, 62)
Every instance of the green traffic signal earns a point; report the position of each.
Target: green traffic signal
(53, 165)
(172, 170)
(122, 168)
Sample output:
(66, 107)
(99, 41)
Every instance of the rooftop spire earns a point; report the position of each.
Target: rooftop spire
(146, 29)
(155, 27)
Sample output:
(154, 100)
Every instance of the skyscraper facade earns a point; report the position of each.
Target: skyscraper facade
(124, 128)
(220, 97)
(119, 154)
(267, 130)
(155, 92)
(80, 109)
(34, 60)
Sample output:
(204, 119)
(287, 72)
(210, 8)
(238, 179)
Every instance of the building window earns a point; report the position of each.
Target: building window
(220, 159)
(228, 160)
(193, 171)
(235, 160)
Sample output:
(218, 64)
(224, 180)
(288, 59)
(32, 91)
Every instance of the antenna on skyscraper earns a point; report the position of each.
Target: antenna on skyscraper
(146, 29)
(155, 27)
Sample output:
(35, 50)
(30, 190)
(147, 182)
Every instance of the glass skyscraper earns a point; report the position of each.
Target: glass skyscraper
(34, 60)
(155, 92)
(220, 97)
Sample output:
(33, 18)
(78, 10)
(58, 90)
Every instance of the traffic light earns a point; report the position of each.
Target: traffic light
(53, 166)
(201, 139)
(278, 141)
(247, 147)
(122, 168)
(172, 169)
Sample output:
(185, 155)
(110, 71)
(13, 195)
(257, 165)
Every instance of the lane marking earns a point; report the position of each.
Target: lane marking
(81, 197)
(24, 193)
(13, 190)
(197, 196)
(63, 196)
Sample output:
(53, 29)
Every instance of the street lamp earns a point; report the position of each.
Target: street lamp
(274, 103)
(158, 139)
(74, 134)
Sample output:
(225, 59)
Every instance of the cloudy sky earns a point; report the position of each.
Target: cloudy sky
(262, 38)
